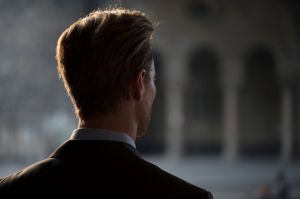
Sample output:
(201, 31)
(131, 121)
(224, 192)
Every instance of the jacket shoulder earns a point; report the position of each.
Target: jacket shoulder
(30, 177)
(165, 182)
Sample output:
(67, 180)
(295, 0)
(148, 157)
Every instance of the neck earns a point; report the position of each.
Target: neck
(121, 121)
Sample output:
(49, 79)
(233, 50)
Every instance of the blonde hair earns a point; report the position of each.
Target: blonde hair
(98, 55)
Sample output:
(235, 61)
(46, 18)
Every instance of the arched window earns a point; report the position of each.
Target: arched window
(260, 105)
(203, 103)
(154, 140)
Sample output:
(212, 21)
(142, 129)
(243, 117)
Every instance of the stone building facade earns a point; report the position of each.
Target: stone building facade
(230, 78)
(227, 77)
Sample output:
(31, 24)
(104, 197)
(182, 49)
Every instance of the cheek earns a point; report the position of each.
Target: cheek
(153, 92)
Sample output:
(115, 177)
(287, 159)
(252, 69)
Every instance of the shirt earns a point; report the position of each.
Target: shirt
(101, 134)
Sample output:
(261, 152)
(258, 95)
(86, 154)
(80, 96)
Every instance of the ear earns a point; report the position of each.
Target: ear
(138, 84)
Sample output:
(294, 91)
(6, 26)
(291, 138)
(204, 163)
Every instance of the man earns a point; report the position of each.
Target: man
(105, 61)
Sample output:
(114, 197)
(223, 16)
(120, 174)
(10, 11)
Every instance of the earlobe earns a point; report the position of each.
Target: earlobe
(138, 84)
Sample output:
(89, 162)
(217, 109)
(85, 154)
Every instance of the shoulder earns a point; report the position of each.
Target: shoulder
(32, 176)
(164, 182)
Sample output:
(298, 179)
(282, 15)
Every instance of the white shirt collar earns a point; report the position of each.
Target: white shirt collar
(101, 134)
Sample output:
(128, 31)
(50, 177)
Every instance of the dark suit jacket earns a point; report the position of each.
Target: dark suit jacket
(97, 169)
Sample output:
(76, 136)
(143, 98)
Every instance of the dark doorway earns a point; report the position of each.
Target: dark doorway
(260, 105)
(203, 103)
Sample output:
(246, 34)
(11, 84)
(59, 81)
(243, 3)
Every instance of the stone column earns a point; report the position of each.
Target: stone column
(174, 107)
(288, 73)
(298, 114)
(230, 140)
(287, 125)
(231, 78)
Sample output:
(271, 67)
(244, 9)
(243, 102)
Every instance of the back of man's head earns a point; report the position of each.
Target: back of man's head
(98, 55)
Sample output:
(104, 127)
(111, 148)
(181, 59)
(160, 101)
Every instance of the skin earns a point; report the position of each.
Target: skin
(134, 114)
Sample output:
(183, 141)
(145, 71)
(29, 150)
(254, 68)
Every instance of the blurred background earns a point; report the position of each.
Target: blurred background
(227, 112)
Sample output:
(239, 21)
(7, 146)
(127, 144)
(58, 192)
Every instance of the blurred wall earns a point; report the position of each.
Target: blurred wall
(227, 78)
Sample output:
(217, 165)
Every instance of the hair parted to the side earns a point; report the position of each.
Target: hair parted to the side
(98, 55)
